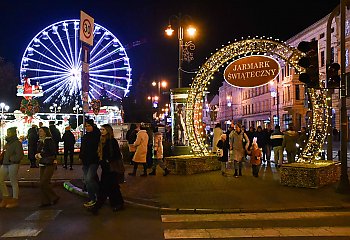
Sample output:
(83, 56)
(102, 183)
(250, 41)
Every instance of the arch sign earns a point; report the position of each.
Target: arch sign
(253, 66)
(251, 71)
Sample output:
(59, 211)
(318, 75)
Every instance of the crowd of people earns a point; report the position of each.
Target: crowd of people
(238, 145)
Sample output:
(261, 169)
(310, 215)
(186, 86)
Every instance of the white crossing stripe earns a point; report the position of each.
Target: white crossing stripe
(33, 225)
(256, 232)
(248, 216)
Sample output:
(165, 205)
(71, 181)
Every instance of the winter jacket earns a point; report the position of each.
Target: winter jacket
(236, 141)
(68, 140)
(158, 145)
(13, 151)
(47, 149)
(225, 146)
(290, 140)
(112, 158)
(255, 158)
(88, 149)
(276, 138)
(217, 134)
(141, 145)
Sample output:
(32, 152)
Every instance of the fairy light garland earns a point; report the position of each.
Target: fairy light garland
(258, 46)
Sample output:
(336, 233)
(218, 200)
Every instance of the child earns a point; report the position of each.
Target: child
(224, 145)
(255, 158)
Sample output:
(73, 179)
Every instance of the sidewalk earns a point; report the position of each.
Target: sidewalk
(207, 192)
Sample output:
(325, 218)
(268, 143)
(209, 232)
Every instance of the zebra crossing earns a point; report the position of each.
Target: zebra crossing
(231, 226)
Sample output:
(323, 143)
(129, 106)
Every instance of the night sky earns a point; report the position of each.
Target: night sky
(217, 22)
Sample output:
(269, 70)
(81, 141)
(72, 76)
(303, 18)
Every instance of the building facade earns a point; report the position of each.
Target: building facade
(284, 101)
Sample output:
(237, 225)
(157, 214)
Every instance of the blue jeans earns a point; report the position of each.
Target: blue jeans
(91, 180)
(10, 171)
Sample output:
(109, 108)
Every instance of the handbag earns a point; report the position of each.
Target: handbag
(219, 152)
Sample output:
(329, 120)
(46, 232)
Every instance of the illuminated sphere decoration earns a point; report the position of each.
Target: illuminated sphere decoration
(53, 60)
(246, 47)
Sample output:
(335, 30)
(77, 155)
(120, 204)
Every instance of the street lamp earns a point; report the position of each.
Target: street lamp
(5, 108)
(76, 110)
(184, 49)
(161, 84)
(55, 108)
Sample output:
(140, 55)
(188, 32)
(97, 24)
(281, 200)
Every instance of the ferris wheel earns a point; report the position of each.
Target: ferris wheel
(52, 59)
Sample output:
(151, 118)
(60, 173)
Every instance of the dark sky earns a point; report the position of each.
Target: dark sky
(217, 21)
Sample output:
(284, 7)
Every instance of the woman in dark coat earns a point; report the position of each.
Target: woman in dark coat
(112, 170)
(223, 144)
(47, 163)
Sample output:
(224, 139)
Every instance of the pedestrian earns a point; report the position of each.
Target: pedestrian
(149, 157)
(111, 162)
(158, 154)
(289, 143)
(32, 138)
(251, 134)
(255, 159)
(89, 158)
(260, 139)
(56, 135)
(276, 143)
(302, 139)
(224, 145)
(141, 145)
(68, 146)
(267, 139)
(46, 154)
(239, 143)
(131, 135)
(217, 136)
(9, 168)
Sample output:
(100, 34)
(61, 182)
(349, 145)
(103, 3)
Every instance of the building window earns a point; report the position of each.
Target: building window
(252, 108)
(332, 54)
(347, 28)
(347, 57)
(288, 93)
(297, 92)
(322, 59)
(321, 35)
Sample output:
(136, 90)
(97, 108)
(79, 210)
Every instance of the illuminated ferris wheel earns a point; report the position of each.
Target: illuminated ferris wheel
(53, 60)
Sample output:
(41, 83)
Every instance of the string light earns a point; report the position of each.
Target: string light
(235, 50)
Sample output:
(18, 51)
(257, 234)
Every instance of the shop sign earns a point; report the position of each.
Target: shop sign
(251, 71)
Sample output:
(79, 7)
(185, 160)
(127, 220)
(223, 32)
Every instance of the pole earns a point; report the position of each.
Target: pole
(180, 36)
(329, 94)
(343, 186)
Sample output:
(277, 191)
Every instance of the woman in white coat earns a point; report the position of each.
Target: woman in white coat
(217, 135)
(141, 144)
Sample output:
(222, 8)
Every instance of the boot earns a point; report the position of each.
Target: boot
(240, 172)
(13, 202)
(166, 172)
(144, 174)
(236, 173)
(4, 202)
(153, 173)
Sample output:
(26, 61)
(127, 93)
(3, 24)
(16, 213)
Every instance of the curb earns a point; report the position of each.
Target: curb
(72, 188)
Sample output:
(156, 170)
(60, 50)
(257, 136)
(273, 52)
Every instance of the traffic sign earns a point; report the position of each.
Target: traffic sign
(86, 28)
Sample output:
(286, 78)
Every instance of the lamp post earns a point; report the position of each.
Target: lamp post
(5, 108)
(276, 95)
(55, 108)
(184, 49)
(76, 110)
(160, 84)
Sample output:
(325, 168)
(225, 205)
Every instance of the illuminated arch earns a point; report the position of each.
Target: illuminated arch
(236, 50)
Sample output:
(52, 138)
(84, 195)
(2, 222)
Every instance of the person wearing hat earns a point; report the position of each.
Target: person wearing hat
(90, 160)
(68, 144)
(9, 168)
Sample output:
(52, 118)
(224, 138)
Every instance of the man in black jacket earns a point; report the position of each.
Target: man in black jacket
(56, 135)
(32, 138)
(276, 142)
(68, 143)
